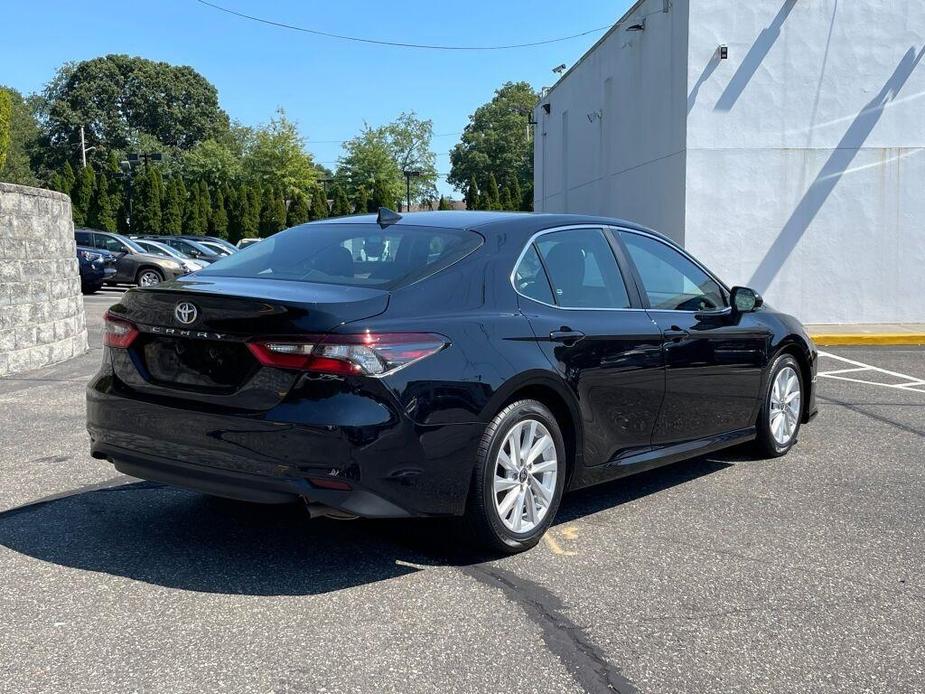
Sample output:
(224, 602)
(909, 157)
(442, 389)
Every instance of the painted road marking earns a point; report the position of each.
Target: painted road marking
(912, 383)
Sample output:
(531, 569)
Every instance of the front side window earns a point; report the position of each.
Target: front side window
(109, 243)
(670, 280)
(582, 269)
(83, 238)
(360, 255)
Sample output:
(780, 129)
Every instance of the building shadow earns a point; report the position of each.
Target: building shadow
(831, 173)
(708, 70)
(753, 59)
(178, 539)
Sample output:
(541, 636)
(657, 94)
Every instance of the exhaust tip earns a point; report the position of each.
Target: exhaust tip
(321, 511)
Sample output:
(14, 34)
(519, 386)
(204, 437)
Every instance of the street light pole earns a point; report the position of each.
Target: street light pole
(408, 176)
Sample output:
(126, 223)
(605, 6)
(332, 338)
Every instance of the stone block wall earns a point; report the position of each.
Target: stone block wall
(41, 307)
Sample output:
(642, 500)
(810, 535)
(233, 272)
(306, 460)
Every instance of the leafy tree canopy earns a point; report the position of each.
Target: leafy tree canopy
(117, 96)
(23, 133)
(497, 140)
(277, 157)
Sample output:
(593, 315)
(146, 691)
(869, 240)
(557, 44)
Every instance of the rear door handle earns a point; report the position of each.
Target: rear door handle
(566, 337)
(675, 334)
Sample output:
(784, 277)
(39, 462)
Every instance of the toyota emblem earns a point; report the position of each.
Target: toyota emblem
(186, 313)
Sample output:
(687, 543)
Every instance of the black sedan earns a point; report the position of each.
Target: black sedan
(444, 364)
(96, 268)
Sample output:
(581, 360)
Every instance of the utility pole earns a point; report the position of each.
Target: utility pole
(83, 148)
(408, 176)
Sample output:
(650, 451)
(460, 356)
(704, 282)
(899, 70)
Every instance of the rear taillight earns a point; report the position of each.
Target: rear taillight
(367, 354)
(118, 332)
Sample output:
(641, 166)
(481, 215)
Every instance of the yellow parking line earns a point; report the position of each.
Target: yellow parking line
(848, 339)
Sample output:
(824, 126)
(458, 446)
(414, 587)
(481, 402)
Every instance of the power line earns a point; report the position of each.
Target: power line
(340, 142)
(397, 44)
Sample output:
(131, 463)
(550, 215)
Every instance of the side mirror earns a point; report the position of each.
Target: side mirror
(745, 300)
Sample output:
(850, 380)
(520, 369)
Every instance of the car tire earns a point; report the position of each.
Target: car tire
(90, 288)
(781, 409)
(538, 483)
(149, 277)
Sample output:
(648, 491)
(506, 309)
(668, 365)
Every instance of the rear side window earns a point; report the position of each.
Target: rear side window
(359, 255)
(582, 269)
(530, 278)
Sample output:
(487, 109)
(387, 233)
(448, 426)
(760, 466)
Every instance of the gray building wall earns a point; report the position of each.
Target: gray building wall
(803, 173)
(614, 138)
(41, 307)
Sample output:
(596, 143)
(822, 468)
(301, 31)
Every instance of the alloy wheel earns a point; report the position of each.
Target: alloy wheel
(784, 410)
(149, 278)
(526, 472)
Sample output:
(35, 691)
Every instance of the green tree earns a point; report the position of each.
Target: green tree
(211, 161)
(497, 139)
(82, 194)
(444, 204)
(505, 200)
(319, 209)
(250, 217)
(118, 97)
(218, 221)
(340, 206)
(272, 213)
(204, 200)
(409, 139)
(174, 200)
(24, 134)
(6, 125)
(369, 162)
(517, 195)
(147, 215)
(68, 178)
(493, 194)
(299, 211)
(103, 207)
(277, 157)
(473, 196)
(361, 201)
(192, 211)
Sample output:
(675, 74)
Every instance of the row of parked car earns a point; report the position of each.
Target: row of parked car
(107, 258)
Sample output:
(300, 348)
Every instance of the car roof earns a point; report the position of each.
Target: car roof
(487, 222)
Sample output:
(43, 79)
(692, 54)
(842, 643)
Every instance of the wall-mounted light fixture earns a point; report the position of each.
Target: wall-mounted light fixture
(547, 108)
(595, 115)
(724, 52)
(637, 27)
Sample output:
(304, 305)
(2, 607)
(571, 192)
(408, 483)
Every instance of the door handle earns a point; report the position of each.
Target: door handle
(566, 337)
(675, 334)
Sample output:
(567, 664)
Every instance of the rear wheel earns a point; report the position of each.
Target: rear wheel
(148, 277)
(518, 480)
(91, 288)
(782, 410)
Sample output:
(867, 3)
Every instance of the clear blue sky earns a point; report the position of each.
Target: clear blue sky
(329, 87)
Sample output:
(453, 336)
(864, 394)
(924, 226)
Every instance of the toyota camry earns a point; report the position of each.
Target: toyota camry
(471, 364)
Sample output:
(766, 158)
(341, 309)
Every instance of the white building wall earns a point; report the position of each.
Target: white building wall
(805, 174)
(796, 166)
(613, 140)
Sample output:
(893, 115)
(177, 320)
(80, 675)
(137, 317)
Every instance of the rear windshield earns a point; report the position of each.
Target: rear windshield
(358, 255)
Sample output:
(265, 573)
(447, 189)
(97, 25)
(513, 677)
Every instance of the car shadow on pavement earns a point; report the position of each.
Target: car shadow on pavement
(178, 539)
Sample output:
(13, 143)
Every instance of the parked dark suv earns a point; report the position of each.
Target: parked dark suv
(133, 264)
(96, 267)
(469, 364)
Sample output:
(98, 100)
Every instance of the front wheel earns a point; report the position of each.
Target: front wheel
(518, 479)
(782, 410)
(149, 277)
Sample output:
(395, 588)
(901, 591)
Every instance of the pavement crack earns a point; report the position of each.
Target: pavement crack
(568, 641)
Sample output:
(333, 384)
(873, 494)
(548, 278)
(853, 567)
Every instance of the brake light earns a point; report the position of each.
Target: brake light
(118, 332)
(366, 354)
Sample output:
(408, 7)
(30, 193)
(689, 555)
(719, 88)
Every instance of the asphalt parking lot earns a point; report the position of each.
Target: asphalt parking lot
(804, 574)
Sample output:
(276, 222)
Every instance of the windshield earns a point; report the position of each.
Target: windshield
(131, 244)
(163, 249)
(359, 255)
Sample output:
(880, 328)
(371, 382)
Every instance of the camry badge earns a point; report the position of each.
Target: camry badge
(186, 313)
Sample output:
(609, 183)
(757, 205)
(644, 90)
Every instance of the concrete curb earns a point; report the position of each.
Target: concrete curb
(851, 339)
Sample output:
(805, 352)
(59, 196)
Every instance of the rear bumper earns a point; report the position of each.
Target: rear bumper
(394, 468)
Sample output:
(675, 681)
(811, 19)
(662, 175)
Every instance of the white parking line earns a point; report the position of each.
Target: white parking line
(909, 382)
